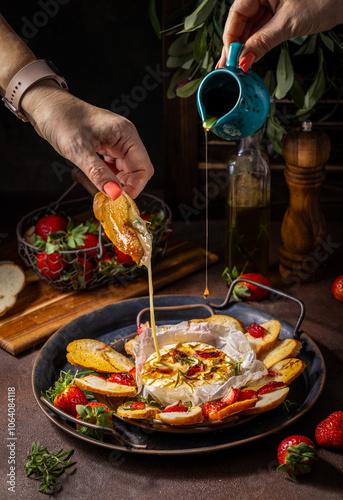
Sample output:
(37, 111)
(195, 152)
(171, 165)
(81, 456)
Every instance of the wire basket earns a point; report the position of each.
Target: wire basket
(82, 268)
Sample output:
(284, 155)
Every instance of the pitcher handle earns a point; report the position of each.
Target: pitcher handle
(233, 54)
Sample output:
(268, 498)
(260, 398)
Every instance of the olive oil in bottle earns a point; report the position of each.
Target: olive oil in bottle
(248, 208)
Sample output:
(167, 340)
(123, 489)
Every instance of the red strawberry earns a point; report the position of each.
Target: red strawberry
(94, 413)
(123, 378)
(142, 327)
(245, 290)
(65, 395)
(231, 396)
(85, 269)
(90, 241)
(296, 454)
(50, 224)
(330, 431)
(337, 288)
(256, 330)
(252, 292)
(213, 407)
(176, 407)
(51, 265)
(122, 258)
(138, 405)
(248, 394)
(270, 387)
(208, 355)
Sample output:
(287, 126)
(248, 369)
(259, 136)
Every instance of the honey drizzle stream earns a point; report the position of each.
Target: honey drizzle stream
(206, 292)
(152, 312)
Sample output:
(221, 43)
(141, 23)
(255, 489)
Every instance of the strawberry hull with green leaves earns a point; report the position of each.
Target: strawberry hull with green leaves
(244, 290)
(94, 413)
(296, 455)
(65, 395)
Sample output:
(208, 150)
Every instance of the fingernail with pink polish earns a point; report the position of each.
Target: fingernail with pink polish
(247, 61)
(112, 190)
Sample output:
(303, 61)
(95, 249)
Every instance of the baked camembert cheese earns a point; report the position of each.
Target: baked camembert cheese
(192, 364)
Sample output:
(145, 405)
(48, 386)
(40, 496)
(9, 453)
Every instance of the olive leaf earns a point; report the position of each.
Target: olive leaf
(200, 44)
(298, 40)
(189, 89)
(297, 94)
(309, 47)
(199, 16)
(180, 74)
(284, 73)
(154, 19)
(316, 89)
(269, 80)
(327, 41)
(177, 61)
(181, 46)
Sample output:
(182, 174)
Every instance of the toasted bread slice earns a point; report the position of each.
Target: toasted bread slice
(148, 412)
(191, 417)
(268, 401)
(286, 348)
(221, 319)
(262, 344)
(12, 281)
(232, 409)
(123, 225)
(98, 385)
(130, 345)
(284, 371)
(97, 356)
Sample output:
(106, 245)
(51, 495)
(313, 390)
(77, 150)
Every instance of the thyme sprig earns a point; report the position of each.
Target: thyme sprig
(47, 467)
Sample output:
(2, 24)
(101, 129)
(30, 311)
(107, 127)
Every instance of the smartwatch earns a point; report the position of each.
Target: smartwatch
(22, 81)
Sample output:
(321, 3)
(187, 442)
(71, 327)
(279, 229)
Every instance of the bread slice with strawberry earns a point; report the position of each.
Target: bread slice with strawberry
(268, 401)
(100, 385)
(97, 356)
(137, 410)
(283, 349)
(284, 371)
(221, 319)
(264, 336)
(174, 415)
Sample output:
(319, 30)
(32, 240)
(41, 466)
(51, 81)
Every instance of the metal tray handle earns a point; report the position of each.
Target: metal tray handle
(173, 308)
(270, 289)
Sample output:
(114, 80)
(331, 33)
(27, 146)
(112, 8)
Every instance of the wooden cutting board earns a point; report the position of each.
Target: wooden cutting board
(41, 309)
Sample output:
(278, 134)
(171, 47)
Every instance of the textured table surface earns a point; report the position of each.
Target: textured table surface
(243, 472)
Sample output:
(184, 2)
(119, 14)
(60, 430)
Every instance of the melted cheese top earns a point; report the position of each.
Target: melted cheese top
(193, 364)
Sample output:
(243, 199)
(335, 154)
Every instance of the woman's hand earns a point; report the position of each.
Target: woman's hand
(77, 130)
(264, 24)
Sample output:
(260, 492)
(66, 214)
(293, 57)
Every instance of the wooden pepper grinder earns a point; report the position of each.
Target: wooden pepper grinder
(305, 151)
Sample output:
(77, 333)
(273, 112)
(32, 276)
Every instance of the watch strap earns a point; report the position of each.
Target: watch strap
(30, 74)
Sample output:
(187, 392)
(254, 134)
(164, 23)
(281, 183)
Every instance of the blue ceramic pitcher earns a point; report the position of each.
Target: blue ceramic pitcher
(231, 103)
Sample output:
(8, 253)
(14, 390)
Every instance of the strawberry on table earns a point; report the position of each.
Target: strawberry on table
(94, 413)
(296, 454)
(246, 291)
(51, 265)
(330, 431)
(50, 224)
(65, 395)
(337, 288)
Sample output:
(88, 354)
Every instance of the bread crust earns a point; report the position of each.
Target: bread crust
(97, 356)
(97, 385)
(193, 416)
(284, 371)
(268, 401)
(282, 349)
(223, 320)
(263, 344)
(148, 412)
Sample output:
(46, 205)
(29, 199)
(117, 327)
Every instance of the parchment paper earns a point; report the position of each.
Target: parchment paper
(229, 340)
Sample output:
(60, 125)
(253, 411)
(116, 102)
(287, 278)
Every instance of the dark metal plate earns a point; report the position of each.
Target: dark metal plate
(116, 321)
